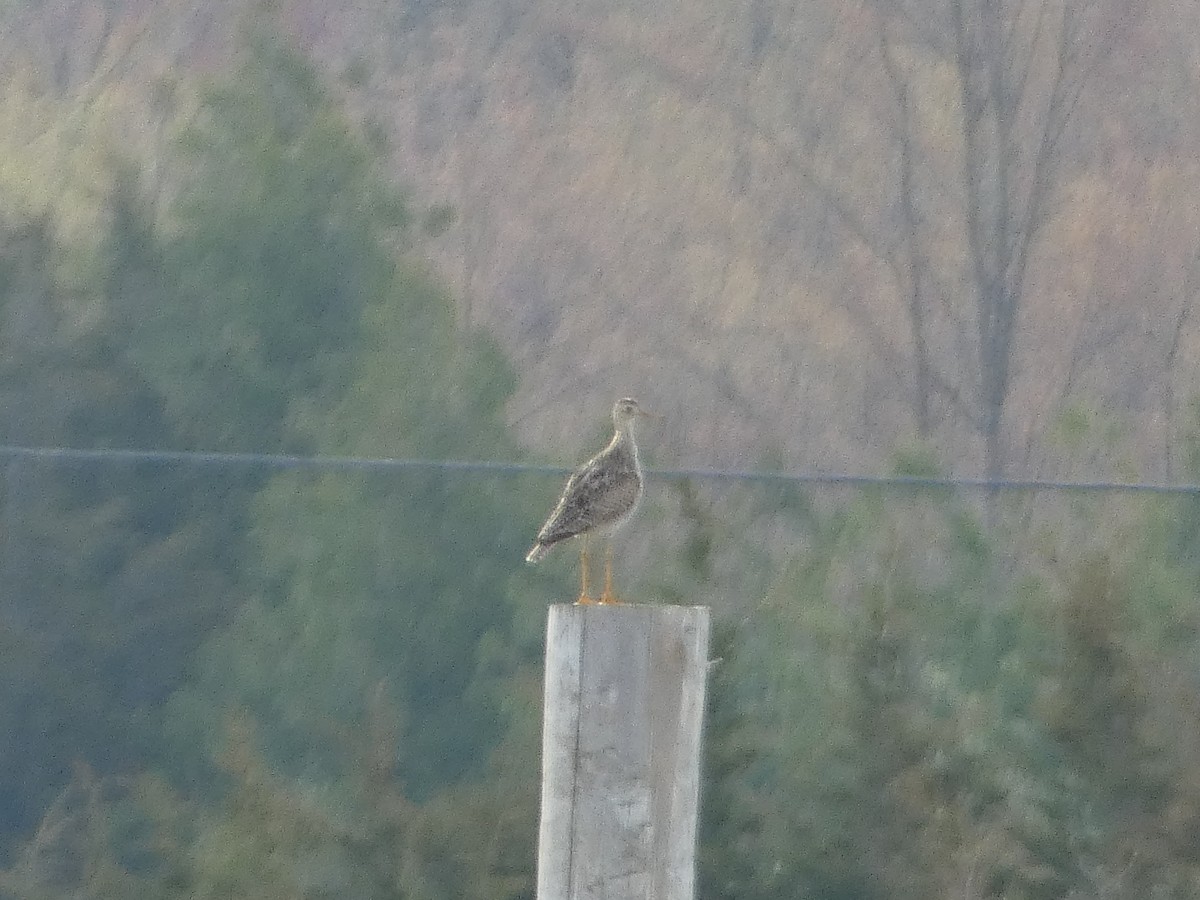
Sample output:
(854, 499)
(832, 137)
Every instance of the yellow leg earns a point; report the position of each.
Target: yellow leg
(583, 572)
(607, 596)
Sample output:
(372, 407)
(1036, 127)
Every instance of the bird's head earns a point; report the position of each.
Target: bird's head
(627, 411)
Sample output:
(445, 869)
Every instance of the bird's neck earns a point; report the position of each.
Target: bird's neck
(623, 438)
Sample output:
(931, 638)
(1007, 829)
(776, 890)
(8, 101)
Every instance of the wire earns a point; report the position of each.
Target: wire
(268, 460)
(365, 463)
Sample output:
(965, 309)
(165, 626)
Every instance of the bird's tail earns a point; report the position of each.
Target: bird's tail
(536, 552)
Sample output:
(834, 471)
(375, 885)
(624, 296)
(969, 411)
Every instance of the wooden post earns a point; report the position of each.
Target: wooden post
(624, 703)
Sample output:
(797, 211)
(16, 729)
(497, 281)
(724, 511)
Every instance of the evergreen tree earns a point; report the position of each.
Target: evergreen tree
(267, 310)
(375, 588)
(110, 573)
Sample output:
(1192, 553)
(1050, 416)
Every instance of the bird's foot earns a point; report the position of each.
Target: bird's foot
(585, 600)
(608, 598)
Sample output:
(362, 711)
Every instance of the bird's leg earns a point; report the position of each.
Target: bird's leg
(607, 596)
(583, 572)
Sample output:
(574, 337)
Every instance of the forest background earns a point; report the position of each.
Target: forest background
(928, 237)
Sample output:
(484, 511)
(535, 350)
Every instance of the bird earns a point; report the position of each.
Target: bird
(599, 497)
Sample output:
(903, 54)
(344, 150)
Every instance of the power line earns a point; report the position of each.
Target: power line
(366, 463)
(269, 460)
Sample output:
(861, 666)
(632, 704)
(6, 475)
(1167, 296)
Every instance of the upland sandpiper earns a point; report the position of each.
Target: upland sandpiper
(599, 497)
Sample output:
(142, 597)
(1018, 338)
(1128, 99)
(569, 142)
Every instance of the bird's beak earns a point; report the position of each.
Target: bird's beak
(646, 414)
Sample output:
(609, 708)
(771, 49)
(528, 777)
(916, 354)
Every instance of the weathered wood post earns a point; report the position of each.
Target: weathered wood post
(624, 703)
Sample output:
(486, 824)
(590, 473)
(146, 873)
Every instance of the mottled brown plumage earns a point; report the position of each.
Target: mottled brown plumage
(599, 496)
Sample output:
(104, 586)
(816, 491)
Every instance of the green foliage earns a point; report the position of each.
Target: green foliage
(266, 308)
(438, 219)
(386, 590)
(279, 237)
(101, 837)
(359, 586)
(110, 576)
(902, 720)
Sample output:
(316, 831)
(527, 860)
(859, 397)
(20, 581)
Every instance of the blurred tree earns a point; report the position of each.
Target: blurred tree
(99, 838)
(112, 577)
(401, 578)
(276, 239)
(268, 310)
(109, 576)
(383, 587)
(897, 725)
(1018, 73)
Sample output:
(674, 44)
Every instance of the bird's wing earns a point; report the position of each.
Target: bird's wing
(595, 495)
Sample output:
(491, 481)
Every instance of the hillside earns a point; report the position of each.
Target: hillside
(702, 204)
(757, 217)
